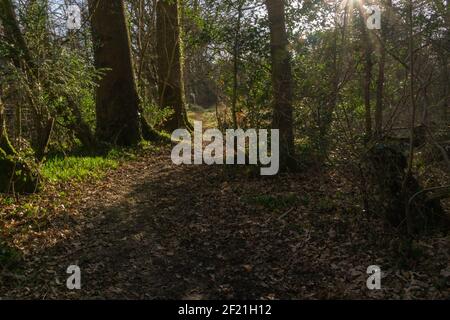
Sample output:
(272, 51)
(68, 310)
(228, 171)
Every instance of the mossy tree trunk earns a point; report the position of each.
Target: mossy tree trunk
(117, 101)
(170, 63)
(15, 174)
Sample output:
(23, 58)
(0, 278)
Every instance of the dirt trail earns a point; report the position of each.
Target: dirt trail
(156, 230)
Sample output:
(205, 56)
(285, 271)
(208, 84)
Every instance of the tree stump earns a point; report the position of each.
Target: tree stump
(397, 197)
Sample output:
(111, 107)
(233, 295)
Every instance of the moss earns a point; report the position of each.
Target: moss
(15, 174)
(5, 144)
(6, 168)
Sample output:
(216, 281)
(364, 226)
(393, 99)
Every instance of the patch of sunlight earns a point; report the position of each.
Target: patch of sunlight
(207, 116)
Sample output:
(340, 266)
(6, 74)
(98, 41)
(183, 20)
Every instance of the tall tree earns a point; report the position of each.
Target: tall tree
(170, 62)
(381, 72)
(236, 61)
(281, 82)
(411, 89)
(368, 64)
(117, 100)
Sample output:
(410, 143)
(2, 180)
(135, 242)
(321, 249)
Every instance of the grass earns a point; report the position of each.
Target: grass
(79, 167)
(61, 169)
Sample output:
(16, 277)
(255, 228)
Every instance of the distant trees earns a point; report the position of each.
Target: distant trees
(23, 61)
(332, 83)
(16, 174)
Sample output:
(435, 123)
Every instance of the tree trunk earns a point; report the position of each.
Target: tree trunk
(117, 101)
(381, 74)
(368, 64)
(409, 172)
(5, 144)
(236, 52)
(446, 91)
(170, 63)
(281, 82)
(380, 90)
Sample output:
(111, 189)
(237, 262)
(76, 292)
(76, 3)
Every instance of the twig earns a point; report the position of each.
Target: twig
(286, 213)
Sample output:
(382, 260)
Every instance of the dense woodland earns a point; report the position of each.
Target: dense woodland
(86, 117)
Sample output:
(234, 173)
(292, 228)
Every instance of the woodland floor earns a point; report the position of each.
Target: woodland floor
(153, 230)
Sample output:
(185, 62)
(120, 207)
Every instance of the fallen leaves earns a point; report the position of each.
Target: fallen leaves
(154, 230)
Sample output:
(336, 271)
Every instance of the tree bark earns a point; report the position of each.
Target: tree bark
(170, 63)
(117, 101)
(281, 82)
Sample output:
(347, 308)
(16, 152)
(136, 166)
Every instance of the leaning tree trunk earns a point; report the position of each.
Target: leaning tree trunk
(170, 63)
(117, 101)
(281, 82)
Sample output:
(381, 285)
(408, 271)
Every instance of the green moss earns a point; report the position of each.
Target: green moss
(6, 167)
(16, 175)
(5, 144)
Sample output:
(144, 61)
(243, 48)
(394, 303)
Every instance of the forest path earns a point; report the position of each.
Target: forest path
(152, 229)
